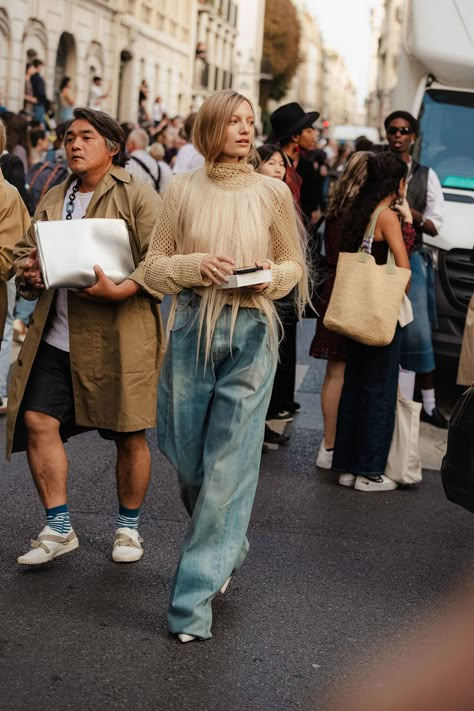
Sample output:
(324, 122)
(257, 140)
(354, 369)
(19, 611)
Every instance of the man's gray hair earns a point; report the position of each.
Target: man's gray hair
(139, 137)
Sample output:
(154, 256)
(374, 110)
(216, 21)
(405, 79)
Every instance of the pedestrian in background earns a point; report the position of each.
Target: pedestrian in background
(97, 94)
(187, 157)
(221, 357)
(39, 92)
(14, 222)
(426, 201)
(66, 100)
(273, 165)
(366, 413)
(90, 359)
(328, 345)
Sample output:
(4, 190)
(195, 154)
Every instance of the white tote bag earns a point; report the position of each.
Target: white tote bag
(404, 461)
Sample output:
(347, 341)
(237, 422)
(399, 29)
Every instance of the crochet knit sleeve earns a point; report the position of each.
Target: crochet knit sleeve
(287, 267)
(165, 271)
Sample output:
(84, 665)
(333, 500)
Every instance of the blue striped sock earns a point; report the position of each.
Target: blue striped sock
(58, 519)
(128, 518)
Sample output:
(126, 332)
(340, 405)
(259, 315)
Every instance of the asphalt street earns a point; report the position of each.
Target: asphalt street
(332, 575)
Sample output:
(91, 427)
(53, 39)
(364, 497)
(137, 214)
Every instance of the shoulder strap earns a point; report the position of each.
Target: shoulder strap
(147, 170)
(366, 245)
(50, 179)
(36, 175)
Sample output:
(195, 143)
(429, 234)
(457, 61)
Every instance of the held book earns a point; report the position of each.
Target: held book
(69, 249)
(236, 281)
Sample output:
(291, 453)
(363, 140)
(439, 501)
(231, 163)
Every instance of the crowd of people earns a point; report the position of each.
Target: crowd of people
(204, 206)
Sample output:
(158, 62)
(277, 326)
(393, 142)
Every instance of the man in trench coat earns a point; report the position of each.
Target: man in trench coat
(91, 358)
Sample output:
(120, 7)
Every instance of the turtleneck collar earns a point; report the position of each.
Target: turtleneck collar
(232, 176)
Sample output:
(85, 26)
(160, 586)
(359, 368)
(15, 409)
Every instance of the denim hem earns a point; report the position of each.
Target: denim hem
(348, 470)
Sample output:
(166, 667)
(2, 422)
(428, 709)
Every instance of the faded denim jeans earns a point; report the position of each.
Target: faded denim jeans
(211, 426)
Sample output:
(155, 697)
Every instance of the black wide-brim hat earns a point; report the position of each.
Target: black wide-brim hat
(290, 119)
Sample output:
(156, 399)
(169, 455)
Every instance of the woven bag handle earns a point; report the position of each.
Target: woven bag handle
(366, 247)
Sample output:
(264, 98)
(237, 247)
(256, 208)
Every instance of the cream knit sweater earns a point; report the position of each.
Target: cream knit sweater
(168, 271)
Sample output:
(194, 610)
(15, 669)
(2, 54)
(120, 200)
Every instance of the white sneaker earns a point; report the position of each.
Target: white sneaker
(186, 637)
(48, 546)
(324, 458)
(127, 546)
(346, 480)
(383, 484)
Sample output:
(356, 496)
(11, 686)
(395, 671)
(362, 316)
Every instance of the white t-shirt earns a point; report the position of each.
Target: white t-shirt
(95, 97)
(57, 334)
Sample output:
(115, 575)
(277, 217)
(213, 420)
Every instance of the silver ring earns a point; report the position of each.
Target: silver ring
(215, 269)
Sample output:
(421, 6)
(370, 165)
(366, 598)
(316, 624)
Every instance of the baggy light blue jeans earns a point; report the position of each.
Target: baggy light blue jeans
(7, 339)
(211, 426)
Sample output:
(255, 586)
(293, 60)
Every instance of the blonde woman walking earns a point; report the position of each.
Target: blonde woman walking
(218, 370)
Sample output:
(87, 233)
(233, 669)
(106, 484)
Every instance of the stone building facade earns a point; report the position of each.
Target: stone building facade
(123, 41)
(387, 25)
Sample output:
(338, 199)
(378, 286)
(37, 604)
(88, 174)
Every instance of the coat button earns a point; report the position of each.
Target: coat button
(20, 362)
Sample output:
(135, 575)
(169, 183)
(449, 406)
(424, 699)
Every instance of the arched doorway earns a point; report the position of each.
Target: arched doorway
(66, 63)
(124, 101)
(5, 36)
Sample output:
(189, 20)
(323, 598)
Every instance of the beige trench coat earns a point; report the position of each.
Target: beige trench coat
(466, 362)
(14, 221)
(115, 349)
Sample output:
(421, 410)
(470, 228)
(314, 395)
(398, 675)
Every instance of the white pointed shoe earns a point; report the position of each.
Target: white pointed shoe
(186, 637)
(127, 546)
(226, 585)
(346, 480)
(383, 483)
(324, 458)
(49, 545)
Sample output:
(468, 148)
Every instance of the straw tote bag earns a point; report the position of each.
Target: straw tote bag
(366, 298)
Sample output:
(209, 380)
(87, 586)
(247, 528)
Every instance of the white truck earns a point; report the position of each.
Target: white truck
(436, 84)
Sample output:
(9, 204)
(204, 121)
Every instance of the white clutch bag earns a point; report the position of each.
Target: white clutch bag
(68, 250)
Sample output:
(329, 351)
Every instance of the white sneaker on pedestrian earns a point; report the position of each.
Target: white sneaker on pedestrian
(324, 457)
(186, 637)
(346, 480)
(127, 546)
(382, 484)
(49, 545)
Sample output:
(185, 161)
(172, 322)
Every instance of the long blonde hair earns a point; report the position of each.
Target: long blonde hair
(232, 222)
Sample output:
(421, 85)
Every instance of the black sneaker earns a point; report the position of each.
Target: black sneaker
(282, 416)
(292, 407)
(272, 439)
(437, 419)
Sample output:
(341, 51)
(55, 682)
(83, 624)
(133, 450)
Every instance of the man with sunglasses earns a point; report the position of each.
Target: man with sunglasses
(425, 198)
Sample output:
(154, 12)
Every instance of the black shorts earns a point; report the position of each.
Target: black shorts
(49, 390)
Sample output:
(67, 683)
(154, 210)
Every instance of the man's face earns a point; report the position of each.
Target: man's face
(307, 139)
(86, 149)
(400, 136)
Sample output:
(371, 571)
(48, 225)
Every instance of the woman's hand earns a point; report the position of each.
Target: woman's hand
(260, 287)
(404, 211)
(217, 269)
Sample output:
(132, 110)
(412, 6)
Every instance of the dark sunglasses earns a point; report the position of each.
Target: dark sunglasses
(404, 131)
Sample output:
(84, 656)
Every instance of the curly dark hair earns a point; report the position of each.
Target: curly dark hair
(384, 173)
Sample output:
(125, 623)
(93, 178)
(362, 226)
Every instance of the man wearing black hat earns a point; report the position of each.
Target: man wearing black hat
(293, 129)
(425, 198)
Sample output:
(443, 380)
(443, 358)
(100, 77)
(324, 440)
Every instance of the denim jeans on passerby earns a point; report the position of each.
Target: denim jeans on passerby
(417, 344)
(6, 345)
(211, 426)
(366, 415)
(24, 310)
